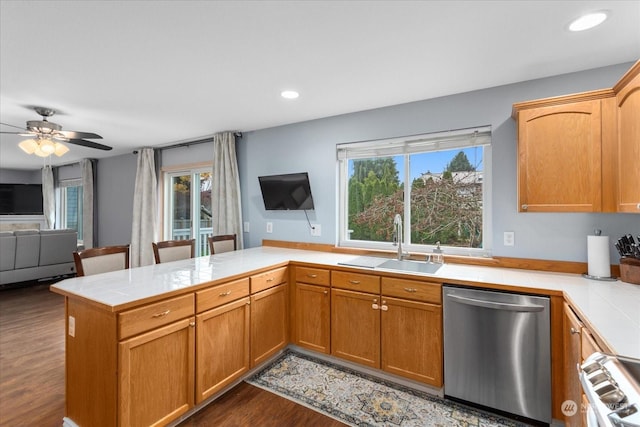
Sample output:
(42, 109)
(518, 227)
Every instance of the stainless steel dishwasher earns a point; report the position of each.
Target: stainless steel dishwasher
(497, 351)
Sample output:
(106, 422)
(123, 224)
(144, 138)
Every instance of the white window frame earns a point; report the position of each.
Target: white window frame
(407, 145)
(167, 201)
(62, 213)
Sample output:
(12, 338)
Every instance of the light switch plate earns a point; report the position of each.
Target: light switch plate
(245, 227)
(269, 227)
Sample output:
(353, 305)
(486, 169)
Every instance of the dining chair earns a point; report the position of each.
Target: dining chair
(101, 260)
(174, 250)
(222, 243)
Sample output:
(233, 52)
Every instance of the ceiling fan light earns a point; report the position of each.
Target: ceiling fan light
(29, 146)
(47, 146)
(41, 153)
(61, 149)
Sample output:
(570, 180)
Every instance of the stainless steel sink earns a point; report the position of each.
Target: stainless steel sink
(415, 266)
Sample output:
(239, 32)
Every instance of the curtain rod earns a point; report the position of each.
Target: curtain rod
(189, 143)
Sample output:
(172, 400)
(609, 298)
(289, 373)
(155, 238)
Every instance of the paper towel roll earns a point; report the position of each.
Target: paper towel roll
(598, 256)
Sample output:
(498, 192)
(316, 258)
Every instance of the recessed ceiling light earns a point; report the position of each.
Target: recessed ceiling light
(588, 21)
(289, 94)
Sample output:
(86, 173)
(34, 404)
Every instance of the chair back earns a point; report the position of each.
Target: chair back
(174, 250)
(222, 243)
(101, 260)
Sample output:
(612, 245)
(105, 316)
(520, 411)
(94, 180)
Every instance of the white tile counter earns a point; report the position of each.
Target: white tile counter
(612, 308)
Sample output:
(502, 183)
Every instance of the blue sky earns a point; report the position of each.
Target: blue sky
(436, 161)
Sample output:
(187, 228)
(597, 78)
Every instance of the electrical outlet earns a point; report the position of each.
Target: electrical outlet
(245, 227)
(269, 227)
(316, 230)
(509, 238)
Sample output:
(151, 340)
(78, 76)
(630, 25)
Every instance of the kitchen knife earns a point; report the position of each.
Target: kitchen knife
(619, 248)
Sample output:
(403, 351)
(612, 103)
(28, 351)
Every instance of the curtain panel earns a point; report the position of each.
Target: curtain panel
(88, 186)
(48, 197)
(143, 231)
(225, 189)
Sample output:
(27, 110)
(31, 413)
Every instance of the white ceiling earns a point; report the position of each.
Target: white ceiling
(143, 73)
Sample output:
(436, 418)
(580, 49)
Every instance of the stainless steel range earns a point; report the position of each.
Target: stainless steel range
(612, 386)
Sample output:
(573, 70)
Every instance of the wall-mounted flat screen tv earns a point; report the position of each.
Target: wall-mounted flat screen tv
(286, 192)
(21, 199)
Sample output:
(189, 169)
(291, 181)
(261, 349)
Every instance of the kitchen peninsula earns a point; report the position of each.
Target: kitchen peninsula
(130, 332)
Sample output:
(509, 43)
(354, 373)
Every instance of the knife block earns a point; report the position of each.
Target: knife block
(630, 270)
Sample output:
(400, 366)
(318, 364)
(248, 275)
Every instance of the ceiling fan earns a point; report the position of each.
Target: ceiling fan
(48, 135)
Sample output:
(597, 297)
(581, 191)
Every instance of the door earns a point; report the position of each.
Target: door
(188, 212)
(497, 350)
(559, 158)
(313, 317)
(355, 327)
(269, 325)
(156, 372)
(223, 347)
(412, 340)
(572, 328)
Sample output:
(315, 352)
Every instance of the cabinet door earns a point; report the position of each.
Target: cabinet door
(269, 325)
(628, 167)
(355, 327)
(559, 158)
(572, 357)
(156, 372)
(222, 347)
(412, 340)
(312, 317)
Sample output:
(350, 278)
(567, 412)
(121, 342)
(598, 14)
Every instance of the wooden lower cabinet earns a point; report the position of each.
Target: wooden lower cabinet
(355, 327)
(269, 323)
(572, 329)
(412, 340)
(313, 317)
(223, 355)
(156, 371)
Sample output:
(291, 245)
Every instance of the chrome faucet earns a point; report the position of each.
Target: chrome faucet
(397, 236)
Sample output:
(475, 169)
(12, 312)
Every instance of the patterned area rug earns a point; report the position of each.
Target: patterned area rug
(360, 400)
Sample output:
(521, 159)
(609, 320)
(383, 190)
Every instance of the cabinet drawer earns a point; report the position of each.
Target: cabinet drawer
(221, 294)
(133, 322)
(269, 279)
(313, 276)
(412, 289)
(355, 281)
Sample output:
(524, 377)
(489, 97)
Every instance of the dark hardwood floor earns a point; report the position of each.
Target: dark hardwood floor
(32, 373)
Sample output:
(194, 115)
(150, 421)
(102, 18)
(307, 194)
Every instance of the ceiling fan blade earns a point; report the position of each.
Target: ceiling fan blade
(13, 133)
(79, 135)
(89, 144)
(7, 124)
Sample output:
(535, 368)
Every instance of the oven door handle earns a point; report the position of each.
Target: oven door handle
(496, 305)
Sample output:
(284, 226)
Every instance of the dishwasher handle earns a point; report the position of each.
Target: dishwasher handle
(496, 305)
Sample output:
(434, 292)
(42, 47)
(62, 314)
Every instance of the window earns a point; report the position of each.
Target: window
(187, 207)
(71, 205)
(439, 183)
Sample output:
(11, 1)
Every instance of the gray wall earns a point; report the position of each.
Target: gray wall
(19, 176)
(310, 146)
(116, 177)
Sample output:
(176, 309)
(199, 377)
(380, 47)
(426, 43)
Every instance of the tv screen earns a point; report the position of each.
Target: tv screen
(21, 199)
(286, 192)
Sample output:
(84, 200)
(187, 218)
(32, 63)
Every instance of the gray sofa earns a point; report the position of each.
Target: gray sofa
(36, 254)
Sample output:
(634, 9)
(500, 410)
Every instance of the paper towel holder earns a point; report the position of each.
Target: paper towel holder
(598, 232)
(604, 279)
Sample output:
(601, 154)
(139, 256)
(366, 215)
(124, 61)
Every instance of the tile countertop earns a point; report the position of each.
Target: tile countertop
(612, 308)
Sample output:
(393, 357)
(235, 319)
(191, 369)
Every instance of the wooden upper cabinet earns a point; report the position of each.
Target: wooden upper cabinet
(559, 158)
(581, 152)
(627, 169)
